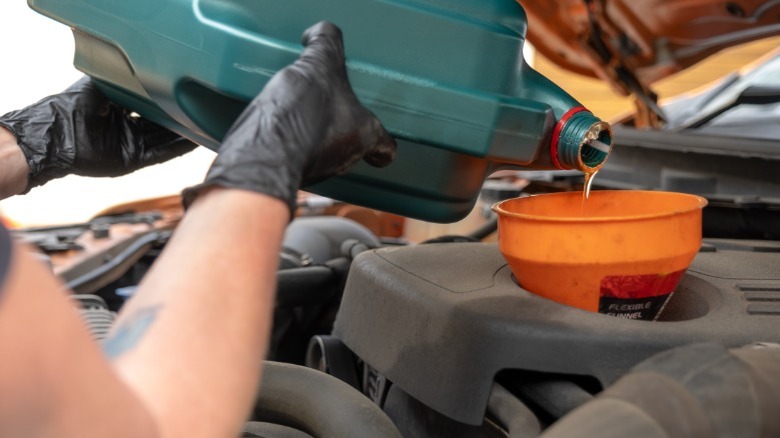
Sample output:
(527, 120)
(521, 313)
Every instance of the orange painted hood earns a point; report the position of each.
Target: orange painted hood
(633, 43)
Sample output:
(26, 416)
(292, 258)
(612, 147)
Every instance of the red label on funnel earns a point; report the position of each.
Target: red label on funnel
(637, 296)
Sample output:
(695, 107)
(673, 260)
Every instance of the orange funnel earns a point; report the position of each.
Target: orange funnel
(620, 253)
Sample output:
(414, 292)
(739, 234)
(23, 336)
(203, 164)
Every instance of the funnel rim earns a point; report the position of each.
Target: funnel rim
(700, 204)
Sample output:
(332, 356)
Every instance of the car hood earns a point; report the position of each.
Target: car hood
(631, 44)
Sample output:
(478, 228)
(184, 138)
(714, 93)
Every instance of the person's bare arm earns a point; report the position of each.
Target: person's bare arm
(186, 352)
(200, 320)
(54, 379)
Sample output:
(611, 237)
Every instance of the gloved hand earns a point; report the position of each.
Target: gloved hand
(306, 124)
(80, 131)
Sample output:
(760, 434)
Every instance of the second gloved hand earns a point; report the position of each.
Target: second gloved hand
(81, 132)
(306, 124)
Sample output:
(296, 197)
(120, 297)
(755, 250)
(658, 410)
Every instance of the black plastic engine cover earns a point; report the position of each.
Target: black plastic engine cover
(441, 320)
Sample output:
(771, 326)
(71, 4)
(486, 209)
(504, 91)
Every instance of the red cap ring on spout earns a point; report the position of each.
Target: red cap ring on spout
(570, 146)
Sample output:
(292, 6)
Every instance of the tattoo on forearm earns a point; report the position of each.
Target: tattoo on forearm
(130, 332)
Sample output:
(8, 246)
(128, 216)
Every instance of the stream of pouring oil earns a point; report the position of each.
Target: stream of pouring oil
(590, 175)
(586, 189)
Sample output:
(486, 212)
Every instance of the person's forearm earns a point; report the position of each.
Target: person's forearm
(13, 166)
(192, 340)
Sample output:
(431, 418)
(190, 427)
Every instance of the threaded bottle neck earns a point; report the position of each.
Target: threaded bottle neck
(581, 141)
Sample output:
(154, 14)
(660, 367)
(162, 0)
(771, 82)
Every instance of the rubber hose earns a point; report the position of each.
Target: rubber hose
(99, 322)
(701, 390)
(555, 397)
(518, 419)
(95, 314)
(295, 286)
(318, 404)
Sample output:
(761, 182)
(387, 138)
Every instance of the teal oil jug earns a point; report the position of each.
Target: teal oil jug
(447, 78)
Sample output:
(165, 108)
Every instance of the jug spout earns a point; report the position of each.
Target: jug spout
(576, 139)
(580, 141)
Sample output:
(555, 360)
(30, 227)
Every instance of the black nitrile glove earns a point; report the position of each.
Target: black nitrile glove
(305, 126)
(81, 132)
